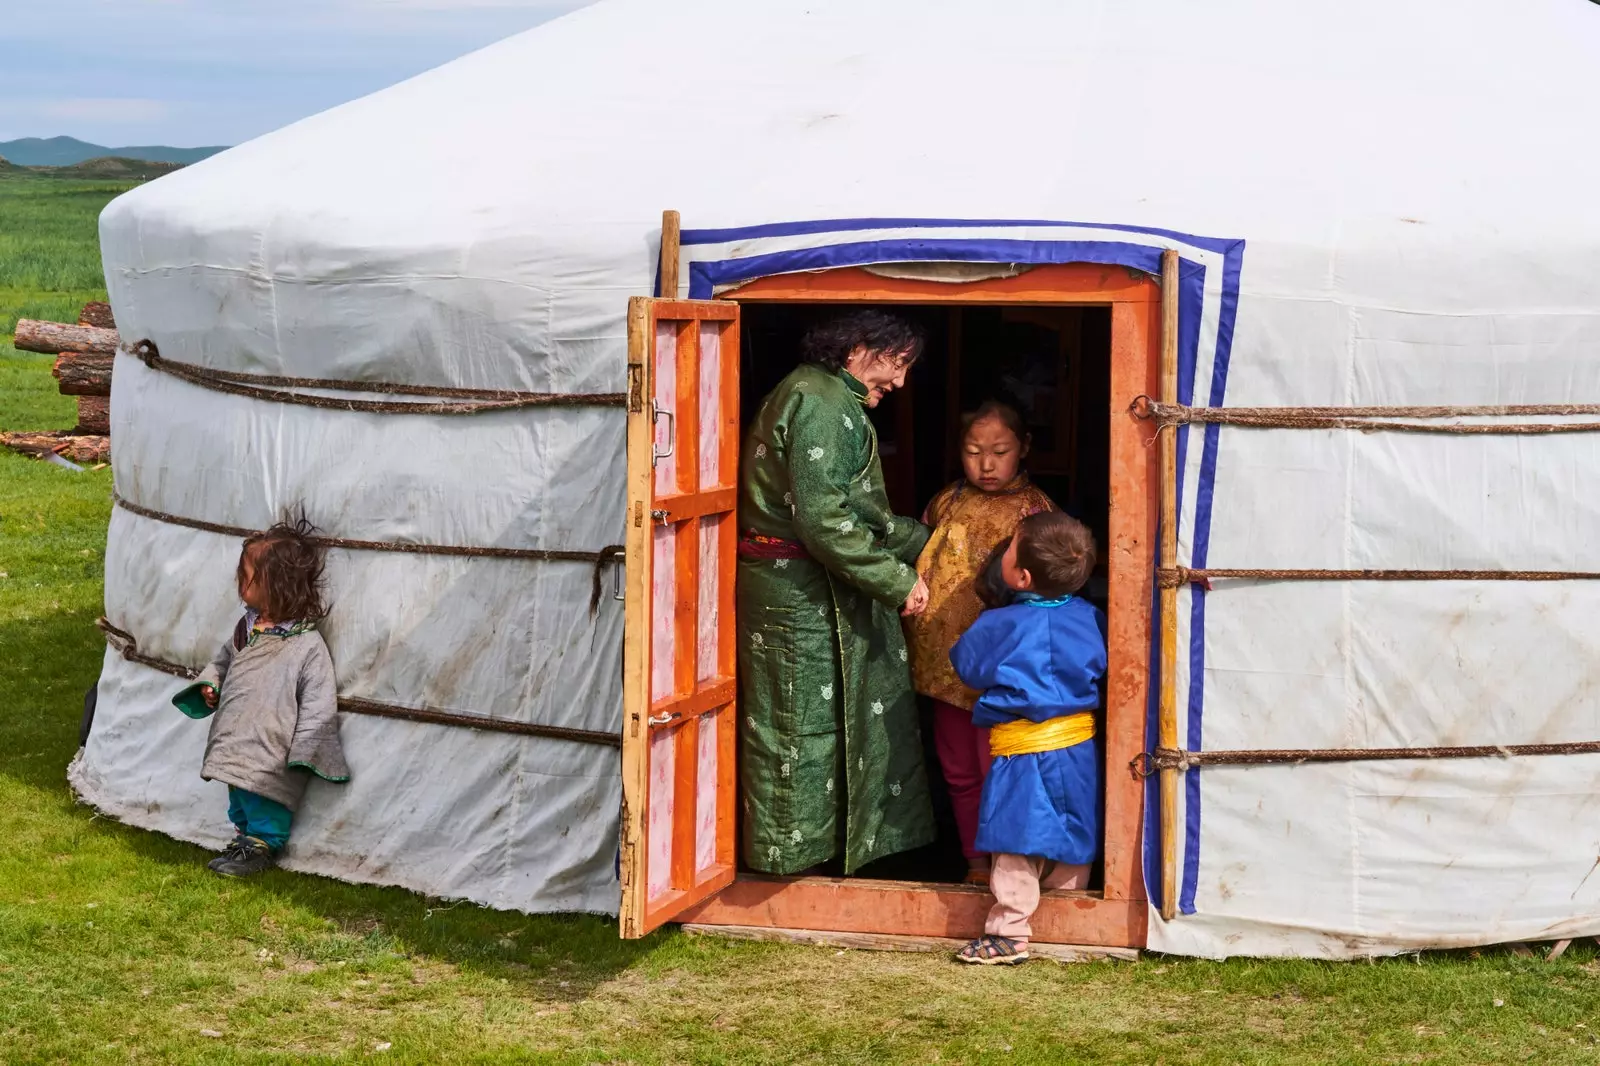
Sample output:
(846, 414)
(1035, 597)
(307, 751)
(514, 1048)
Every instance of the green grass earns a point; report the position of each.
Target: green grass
(118, 945)
(49, 268)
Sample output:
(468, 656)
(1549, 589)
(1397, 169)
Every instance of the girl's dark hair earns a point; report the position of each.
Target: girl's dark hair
(1057, 549)
(830, 343)
(289, 564)
(1003, 412)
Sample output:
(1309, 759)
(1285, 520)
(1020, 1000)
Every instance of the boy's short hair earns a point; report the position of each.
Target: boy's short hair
(1058, 550)
(289, 563)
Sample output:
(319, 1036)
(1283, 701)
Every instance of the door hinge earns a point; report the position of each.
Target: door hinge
(636, 387)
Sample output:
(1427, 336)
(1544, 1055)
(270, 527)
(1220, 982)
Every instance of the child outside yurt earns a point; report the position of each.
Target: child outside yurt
(272, 698)
(1039, 663)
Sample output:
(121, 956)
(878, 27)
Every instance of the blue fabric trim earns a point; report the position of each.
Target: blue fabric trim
(1228, 311)
(845, 225)
(1033, 599)
(1152, 733)
(704, 276)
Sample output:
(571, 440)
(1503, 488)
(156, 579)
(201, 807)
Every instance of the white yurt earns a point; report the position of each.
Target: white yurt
(1375, 205)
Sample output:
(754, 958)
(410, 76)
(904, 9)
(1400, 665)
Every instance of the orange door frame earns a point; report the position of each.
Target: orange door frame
(1115, 916)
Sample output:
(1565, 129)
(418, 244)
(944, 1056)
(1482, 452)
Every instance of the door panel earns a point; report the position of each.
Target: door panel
(678, 771)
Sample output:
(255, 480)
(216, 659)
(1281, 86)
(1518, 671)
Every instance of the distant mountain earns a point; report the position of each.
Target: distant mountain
(103, 168)
(66, 151)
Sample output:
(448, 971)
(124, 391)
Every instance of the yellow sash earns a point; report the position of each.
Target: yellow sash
(1023, 737)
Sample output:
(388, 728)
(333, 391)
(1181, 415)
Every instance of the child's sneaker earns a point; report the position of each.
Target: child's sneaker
(245, 856)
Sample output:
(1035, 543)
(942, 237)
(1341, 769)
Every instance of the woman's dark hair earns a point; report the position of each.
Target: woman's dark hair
(1004, 413)
(1057, 549)
(288, 567)
(830, 343)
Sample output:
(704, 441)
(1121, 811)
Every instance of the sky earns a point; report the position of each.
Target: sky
(218, 72)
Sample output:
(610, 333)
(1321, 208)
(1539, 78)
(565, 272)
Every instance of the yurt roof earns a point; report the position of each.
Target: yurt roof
(1455, 129)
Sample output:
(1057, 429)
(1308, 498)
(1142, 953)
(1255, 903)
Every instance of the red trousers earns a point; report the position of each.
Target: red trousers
(964, 756)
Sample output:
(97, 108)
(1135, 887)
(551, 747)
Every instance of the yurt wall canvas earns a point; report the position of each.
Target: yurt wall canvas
(1418, 226)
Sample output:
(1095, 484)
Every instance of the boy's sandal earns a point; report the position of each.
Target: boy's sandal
(990, 950)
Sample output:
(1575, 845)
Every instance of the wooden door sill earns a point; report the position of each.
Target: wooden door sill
(913, 908)
(892, 942)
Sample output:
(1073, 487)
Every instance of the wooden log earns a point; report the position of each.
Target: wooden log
(1557, 950)
(83, 375)
(96, 313)
(78, 449)
(94, 416)
(53, 338)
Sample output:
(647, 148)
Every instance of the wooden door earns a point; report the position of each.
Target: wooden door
(679, 780)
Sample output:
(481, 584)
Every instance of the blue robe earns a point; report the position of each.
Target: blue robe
(1038, 659)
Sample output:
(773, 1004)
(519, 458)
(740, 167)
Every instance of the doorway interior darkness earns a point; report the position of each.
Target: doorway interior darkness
(1051, 363)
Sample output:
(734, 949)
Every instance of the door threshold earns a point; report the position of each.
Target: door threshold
(884, 885)
(892, 942)
(913, 908)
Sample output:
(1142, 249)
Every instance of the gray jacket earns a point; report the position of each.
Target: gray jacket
(277, 715)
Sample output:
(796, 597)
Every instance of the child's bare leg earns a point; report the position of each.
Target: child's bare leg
(1066, 875)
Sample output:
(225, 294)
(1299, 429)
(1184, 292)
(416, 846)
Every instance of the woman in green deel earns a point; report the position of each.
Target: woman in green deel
(830, 754)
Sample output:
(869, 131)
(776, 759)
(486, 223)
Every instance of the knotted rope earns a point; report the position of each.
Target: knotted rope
(1372, 418)
(276, 389)
(610, 555)
(125, 644)
(1177, 576)
(1148, 762)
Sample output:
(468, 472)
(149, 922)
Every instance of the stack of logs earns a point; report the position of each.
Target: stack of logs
(85, 353)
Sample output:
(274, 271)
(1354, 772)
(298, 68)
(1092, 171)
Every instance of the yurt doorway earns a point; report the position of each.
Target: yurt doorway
(1069, 345)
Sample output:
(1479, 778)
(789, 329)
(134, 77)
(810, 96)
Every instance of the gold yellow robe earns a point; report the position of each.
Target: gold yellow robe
(967, 524)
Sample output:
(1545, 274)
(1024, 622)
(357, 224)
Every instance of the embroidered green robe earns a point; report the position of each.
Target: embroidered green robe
(830, 752)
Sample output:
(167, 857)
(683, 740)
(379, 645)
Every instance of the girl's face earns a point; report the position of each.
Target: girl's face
(880, 372)
(991, 454)
(251, 591)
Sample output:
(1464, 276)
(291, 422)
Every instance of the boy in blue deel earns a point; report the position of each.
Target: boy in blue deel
(1038, 662)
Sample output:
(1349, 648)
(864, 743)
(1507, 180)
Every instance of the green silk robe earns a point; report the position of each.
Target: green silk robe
(830, 751)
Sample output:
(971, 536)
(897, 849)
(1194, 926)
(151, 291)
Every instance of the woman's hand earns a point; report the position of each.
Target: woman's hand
(917, 601)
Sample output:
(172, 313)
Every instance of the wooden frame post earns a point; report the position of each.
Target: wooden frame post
(1167, 722)
(670, 255)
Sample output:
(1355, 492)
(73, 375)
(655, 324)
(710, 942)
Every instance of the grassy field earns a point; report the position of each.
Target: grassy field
(118, 946)
(49, 268)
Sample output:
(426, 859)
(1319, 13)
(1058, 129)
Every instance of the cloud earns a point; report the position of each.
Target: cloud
(223, 71)
(119, 109)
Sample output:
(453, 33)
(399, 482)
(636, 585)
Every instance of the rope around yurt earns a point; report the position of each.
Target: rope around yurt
(127, 645)
(1148, 762)
(1370, 419)
(275, 389)
(1366, 419)
(611, 554)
